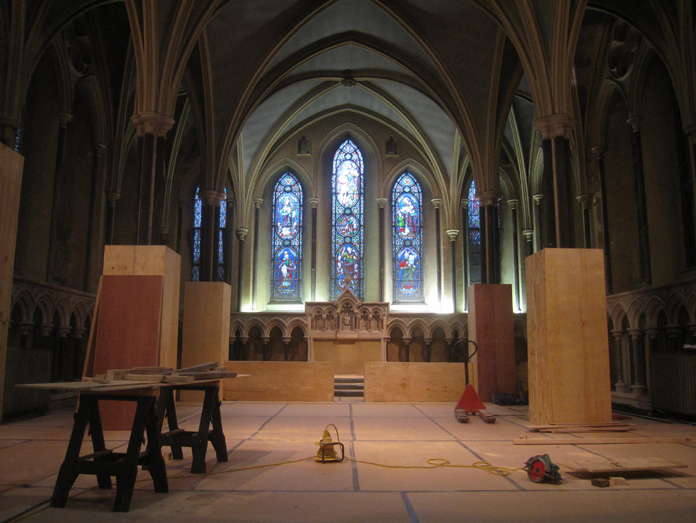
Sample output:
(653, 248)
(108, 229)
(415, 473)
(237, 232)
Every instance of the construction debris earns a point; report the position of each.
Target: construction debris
(207, 371)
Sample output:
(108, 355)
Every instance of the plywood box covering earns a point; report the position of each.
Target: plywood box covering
(414, 381)
(568, 339)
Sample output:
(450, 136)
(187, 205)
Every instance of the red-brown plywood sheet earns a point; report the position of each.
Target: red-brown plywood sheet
(128, 334)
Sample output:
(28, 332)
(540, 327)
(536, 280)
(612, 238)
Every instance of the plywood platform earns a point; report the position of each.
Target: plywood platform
(414, 382)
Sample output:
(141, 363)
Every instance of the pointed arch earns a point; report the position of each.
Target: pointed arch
(286, 239)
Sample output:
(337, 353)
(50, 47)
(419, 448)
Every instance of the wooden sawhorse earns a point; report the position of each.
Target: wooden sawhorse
(176, 438)
(105, 463)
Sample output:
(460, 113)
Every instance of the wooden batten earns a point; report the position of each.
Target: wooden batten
(206, 333)
(567, 336)
(11, 168)
(414, 382)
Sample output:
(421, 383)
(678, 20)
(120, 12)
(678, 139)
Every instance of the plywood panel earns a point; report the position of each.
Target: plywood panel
(349, 356)
(153, 260)
(568, 340)
(281, 381)
(491, 327)
(128, 334)
(414, 382)
(206, 334)
(11, 167)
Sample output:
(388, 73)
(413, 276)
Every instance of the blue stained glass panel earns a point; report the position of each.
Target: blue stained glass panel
(347, 220)
(407, 240)
(474, 220)
(286, 263)
(197, 223)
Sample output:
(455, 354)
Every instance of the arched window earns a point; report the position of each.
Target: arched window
(474, 237)
(286, 262)
(197, 227)
(407, 240)
(347, 221)
(197, 237)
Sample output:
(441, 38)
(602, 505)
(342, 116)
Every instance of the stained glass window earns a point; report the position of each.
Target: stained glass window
(221, 235)
(407, 240)
(474, 237)
(347, 221)
(197, 225)
(286, 263)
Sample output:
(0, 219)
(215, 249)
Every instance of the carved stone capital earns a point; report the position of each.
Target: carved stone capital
(381, 202)
(210, 197)
(112, 197)
(634, 122)
(598, 152)
(453, 234)
(618, 334)
(464, 203)
(555, 125)
(513, 204)
(241, 234)
(258, 202)
(635, 334)
(528, 234)
(538, 198)
(65, 119)
(488, 198)
(149, 122)
(585, 200)
(437, 202)
(98, 149)
(314, 202)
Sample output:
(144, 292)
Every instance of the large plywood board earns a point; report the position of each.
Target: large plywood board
(568, 339)
(281, 381)
(128, 334)
(206, 333)
(491, 327)
(11, 167)
(414, 382)
(349, 356)
(153, 260)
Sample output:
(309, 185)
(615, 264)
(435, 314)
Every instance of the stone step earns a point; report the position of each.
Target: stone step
(349, 393)
(349, 385)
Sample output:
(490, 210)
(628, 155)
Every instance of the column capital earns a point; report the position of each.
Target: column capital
(111, 197)
(381, 202)
(149, 122)
(314, 202)
(437, 202)
(210, 197)
(242, 233)
(634, 122)
(585, 200)
(488, 198)
(98, 149)
(464, 203)
(538, 198)
(690, 129)
(528, 234)
(618, 334)
(635, 334)
(258, 202)
(554, 126)
(513, 203)
(598, 151)
(64, 118)
(453, 234)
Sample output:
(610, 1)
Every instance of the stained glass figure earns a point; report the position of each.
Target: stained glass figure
(407, 240)
(347, 220)
(197, 227)
(474, 237)
(221, 235)
(286, 264)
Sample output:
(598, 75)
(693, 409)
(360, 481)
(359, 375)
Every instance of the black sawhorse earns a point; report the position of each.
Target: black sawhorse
(176, 438)
(105, 463)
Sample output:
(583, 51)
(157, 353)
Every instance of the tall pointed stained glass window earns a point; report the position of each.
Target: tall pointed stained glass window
(347, 221)
(197, 227)
(221, 236)
(407, 240)
(474, 237)
(286, 284)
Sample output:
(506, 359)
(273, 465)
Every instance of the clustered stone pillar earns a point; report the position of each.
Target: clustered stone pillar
(65, 119)
(598, 154)
(241, 235)
(490, 256)
(538, 227)
(151, 129)
(641, 204)
(94, 209)
(638, 359)
(465, 249)
(257, 212)
(314, 202)
(438, 249)
(381, 203)
(515, 255)
(620, 384)
(453, 234)
(585, 200)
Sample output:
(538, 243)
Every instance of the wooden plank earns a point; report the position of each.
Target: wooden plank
(580, 429)
(568, 339)
(491, 327)
(128, 334)
(622, 465)
(11, 168)
(281, 381)
(597, 441)
(206, 332)
(394, 381)
(199, 368)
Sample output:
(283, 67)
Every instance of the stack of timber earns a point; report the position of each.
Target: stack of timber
(573, 428)
(207, 371)
(618, 467)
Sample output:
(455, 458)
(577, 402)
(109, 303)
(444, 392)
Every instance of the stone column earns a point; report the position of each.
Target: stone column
(314, 202)
(95, 207)
(241, 235)
(490, 255)
(555, 134)
(674, 332)
(286, 343)
(438, 248)
(111, 198)
(453, 234)
(621, 385)
(464, 203)
(210, 232)
(65, 119)
(638, 357)
(381, 202)
(244, 356)
(407, 345)
(517, 284)
(254, 268)
(641, 204)
(598, 153)
(529, 236)
(687, 180)
(450, 348)
(428, 343)
(265, 340)
(180, 225)
(585, 200)
(538, 226)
